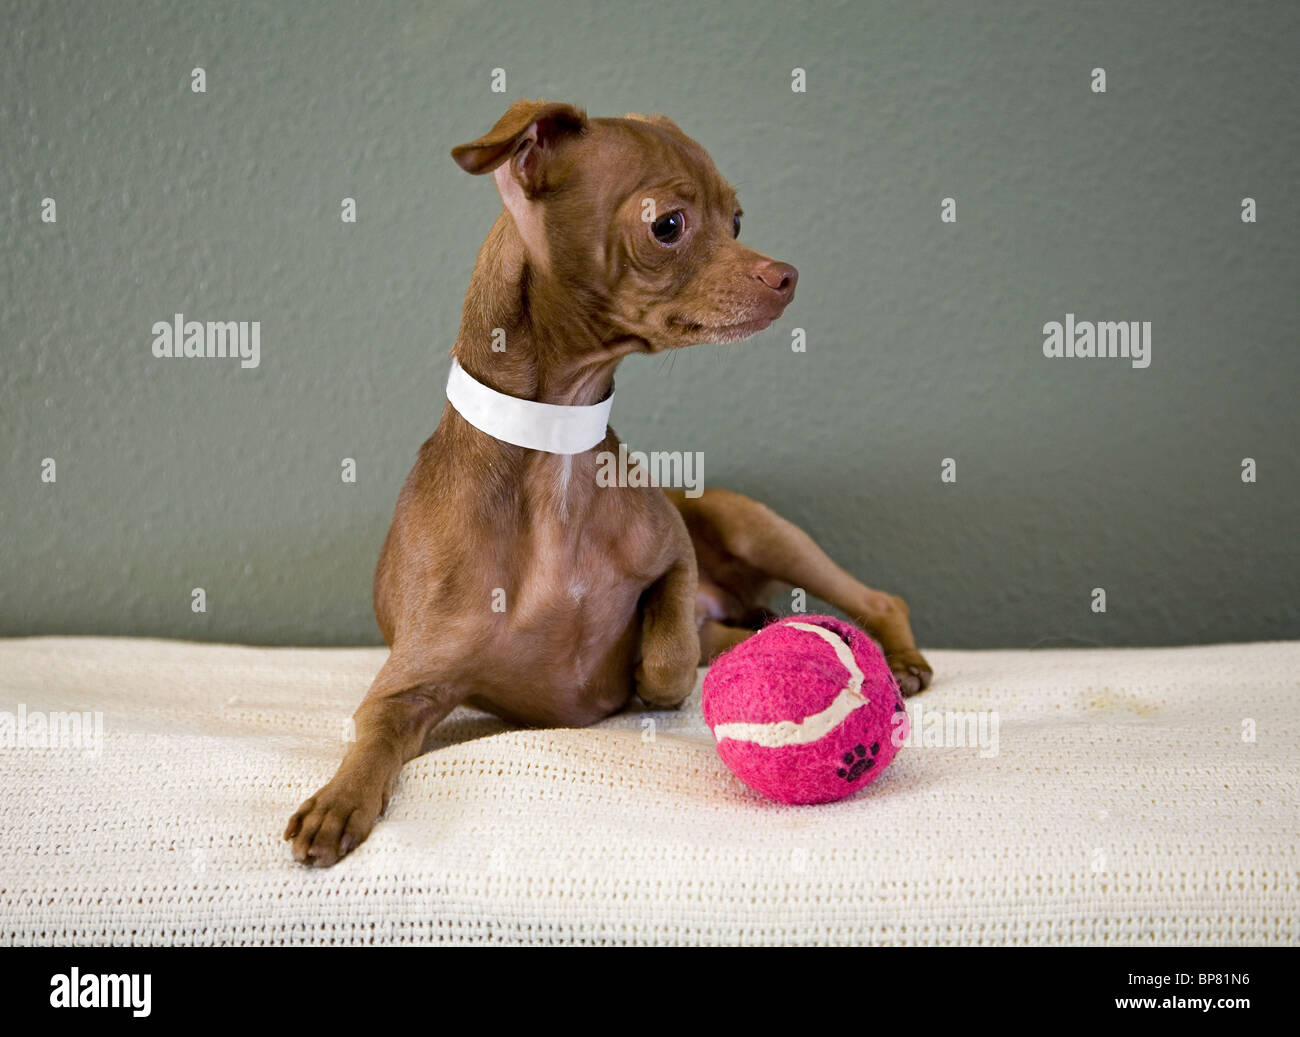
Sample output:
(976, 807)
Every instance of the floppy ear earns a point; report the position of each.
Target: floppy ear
(527, 136)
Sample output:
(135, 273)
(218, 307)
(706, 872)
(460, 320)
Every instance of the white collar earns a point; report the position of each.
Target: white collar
(550, 427)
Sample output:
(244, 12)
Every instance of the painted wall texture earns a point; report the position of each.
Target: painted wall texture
(925, 338)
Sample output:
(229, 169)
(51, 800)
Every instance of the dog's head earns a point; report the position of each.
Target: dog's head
(631, 218)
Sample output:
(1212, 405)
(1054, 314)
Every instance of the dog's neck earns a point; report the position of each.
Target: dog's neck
(548, 427)
(553, 353)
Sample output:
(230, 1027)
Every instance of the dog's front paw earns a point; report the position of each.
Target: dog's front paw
(911, 671)
(666, 683)
(333, 823)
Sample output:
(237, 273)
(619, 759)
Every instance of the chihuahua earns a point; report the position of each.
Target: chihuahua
(512, 578)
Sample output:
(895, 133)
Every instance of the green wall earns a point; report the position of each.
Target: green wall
(924, 337)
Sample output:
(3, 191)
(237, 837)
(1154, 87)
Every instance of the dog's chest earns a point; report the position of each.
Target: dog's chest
(569, 623)
(579, 569)
(578, 576)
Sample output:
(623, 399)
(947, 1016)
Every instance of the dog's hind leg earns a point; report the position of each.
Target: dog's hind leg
(716, 638)
(738, 529)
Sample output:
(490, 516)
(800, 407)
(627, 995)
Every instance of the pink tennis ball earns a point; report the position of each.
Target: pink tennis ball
(806, 710)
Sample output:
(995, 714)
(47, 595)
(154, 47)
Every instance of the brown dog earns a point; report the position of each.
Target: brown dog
(511, 580)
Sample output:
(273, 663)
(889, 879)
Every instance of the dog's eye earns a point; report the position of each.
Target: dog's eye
(735, 226)
(668, 227)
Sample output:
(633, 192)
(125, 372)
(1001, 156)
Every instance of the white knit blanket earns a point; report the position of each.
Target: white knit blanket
(1136, 796)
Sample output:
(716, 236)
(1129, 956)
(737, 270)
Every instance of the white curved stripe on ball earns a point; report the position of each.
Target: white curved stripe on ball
(815, 726)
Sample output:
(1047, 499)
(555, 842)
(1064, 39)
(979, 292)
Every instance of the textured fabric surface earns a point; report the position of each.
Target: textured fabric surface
(1125, 804)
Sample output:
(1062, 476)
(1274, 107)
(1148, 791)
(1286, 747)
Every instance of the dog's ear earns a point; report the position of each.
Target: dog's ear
(527, 136)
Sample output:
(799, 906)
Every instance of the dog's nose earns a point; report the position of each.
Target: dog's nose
(780, 277)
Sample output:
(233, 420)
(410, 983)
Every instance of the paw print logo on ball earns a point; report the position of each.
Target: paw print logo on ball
(857, 763)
